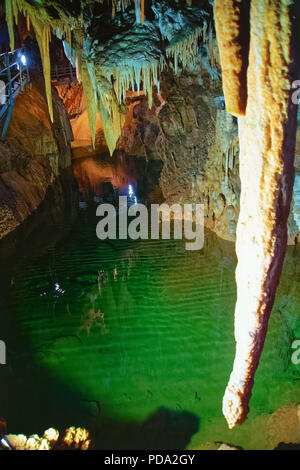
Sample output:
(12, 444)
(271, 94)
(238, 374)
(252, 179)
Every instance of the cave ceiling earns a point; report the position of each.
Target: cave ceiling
(116, 46)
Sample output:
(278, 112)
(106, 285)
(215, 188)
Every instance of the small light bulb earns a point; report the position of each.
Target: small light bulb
(130, 190)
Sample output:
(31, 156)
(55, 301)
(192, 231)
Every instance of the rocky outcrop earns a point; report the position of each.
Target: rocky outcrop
(74, 438)
(33, 155)
(196, 139)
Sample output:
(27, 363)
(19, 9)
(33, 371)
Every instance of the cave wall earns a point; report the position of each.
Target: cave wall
(189, 130)
(33, 156)
(75, 104)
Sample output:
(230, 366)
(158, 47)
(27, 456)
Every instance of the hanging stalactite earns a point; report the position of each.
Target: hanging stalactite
(43, 27)
(10, 23)
(106, 97)
(91, 99)
(186, 50)
(267, 135)
(131, 76)
(43, 35)
(112, 122)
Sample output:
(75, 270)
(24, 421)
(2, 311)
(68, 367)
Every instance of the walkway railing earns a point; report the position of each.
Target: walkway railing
(62, 72)
(13, 77)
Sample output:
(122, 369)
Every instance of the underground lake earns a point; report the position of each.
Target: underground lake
(133, 340)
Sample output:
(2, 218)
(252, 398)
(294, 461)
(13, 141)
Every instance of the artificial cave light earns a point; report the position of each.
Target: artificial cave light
(105, 86)
(23, 59)
(267, 136)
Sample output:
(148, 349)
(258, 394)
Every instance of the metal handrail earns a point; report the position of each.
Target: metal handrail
(9, 67)
(12, 86)
(9, 52)
(61, 73)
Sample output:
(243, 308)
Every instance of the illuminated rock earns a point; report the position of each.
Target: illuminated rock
(233, 53)
(115, 52)
(73, 439)
(267, 143)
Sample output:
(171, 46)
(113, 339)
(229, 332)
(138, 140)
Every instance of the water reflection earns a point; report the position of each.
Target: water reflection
(103, 178)
(134, 341)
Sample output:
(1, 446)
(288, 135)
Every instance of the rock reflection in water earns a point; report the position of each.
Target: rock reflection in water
(104, 177)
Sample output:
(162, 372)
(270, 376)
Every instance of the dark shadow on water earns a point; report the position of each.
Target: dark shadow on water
(168, 429)
(164, 430)
(283, 446)
(33, 402)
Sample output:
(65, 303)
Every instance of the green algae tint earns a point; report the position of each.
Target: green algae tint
(134, 340)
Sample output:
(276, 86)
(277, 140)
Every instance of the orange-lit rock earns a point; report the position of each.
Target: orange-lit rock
(82, 146)
(233, 47)
(75, 104)
(91, 173)
(33, 155)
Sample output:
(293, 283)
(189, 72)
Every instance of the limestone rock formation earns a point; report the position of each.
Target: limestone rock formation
(267, 144)
(34, 153)
(72, 439)
(233, 44)
(113, 49)
(152, 87)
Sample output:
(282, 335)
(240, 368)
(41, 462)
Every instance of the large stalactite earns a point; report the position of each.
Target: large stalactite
(255, 40)
(267, 140)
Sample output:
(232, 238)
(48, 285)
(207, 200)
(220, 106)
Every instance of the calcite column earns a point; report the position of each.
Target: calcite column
(267, 135)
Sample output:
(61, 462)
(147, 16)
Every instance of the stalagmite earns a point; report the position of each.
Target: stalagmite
(267, 142)
(233, 46)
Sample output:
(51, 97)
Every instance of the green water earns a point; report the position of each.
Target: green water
(134, 340)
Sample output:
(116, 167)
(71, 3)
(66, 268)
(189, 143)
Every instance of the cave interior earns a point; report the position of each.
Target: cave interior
(134, 337)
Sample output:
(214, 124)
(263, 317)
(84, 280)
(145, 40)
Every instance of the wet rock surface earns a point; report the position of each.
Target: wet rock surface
(33, 155)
